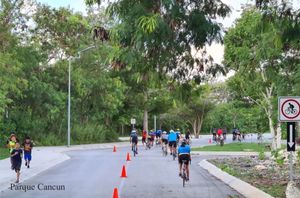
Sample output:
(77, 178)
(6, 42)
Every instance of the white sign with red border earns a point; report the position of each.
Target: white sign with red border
(289, 108)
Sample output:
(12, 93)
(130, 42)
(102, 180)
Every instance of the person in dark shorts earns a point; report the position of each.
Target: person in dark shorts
(172, 142)
(16, 159)
(164, 138)
(11, 144)
(27, 151)
(134, 139)
(184, 154)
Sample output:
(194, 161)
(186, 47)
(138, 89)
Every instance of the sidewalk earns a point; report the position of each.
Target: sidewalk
(44, 158)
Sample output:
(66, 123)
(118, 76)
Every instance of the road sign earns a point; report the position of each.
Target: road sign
(132, 121)
(291, 144)
(289, 108)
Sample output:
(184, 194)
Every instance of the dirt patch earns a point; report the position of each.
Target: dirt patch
(266, 175)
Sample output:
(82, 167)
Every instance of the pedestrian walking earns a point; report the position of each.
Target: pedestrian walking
(16, 159)
(27, 145)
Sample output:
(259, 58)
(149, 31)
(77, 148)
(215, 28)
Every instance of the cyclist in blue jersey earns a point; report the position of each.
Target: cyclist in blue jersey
(158, 136)
(134, 139)
(172, 139)
(178, 135)
(184, 154)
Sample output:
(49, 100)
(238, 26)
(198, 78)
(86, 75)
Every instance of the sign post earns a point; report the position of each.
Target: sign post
(291, 145)
(289, 111)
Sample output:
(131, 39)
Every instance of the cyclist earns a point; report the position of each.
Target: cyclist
(234, 130)
(178, 135)
(152, 136)
(238, 135)
(214, 132)
(291, 106)
(172, 141)
(164, 138)
(188, 136)
(158, 136)
(184, 154)
(220, 134)
(144, 136)
(134, 139)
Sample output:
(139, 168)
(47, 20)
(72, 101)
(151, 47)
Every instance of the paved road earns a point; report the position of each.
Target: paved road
(96, 173)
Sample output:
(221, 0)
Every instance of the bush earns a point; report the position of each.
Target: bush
(262, 155)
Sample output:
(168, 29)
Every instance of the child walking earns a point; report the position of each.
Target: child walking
(16, 159)
(27, 151)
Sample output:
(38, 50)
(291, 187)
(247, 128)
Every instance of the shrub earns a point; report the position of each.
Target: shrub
(262, 155)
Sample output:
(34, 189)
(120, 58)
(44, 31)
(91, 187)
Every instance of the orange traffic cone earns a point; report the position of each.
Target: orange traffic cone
(116, 193)
(123, 174)
(209, 141)
(128, 157)
(115, 149)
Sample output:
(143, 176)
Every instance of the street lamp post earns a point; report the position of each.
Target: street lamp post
(69, 90)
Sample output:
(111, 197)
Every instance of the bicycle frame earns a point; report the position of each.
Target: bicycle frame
(134, 149)
(184, 170)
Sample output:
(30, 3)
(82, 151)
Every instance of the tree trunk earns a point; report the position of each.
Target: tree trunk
(195, 128)
(199, 126)
(122, 129)
(278, 135)
(272, 131)
(145, 122)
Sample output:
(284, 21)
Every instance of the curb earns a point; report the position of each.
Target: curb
(240, 186)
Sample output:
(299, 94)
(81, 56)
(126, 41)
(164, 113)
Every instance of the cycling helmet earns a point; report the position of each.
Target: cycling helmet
(164, 132)
(171, 131)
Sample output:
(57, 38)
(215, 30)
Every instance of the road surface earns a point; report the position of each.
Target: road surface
(95, 173)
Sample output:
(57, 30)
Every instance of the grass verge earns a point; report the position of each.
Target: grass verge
(4, 153)
(236, 147)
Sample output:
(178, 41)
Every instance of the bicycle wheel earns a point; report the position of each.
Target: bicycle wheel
(183, 178)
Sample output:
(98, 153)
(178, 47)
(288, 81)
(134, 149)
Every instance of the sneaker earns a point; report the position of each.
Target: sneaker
(25, 163)
(187, 179)
(180, 175)
(28, 166)
(17, 181)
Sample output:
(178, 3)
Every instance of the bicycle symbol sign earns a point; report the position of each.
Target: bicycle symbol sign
(289, 108)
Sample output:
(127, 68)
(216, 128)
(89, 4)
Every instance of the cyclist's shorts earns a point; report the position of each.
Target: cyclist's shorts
(185, 157)
(173, 144)
(165, 141)
(158, 135)
(134, 139)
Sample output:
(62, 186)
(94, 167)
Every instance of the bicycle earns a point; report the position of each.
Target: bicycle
(184, 174)
(165, 150)
(134, 149)
(148, 145)
(174, 154)
(290, 110)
